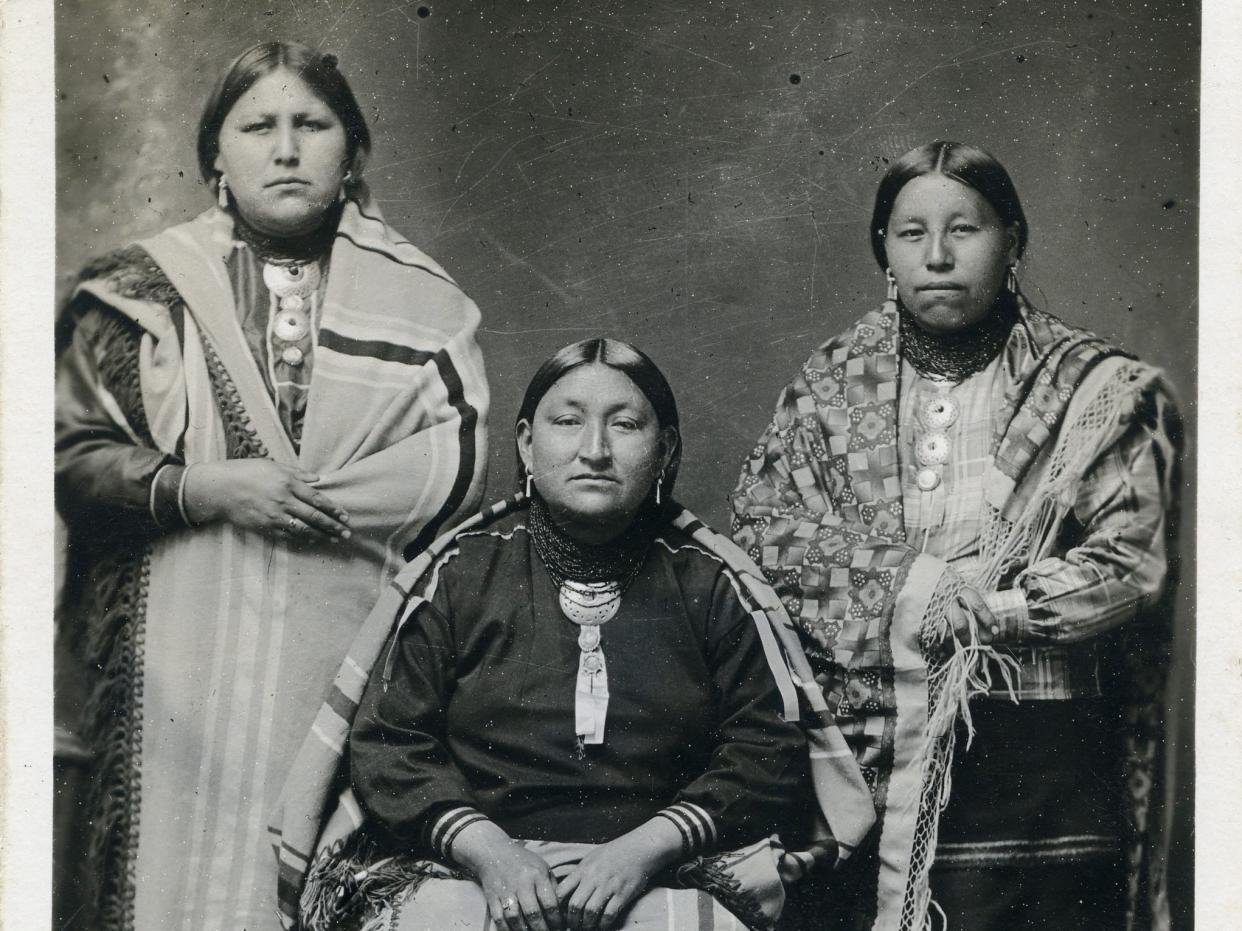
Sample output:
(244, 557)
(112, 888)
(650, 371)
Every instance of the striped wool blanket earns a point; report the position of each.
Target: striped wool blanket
(234, 637)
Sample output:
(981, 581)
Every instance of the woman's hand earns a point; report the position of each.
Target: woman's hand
(517, 883)
(970, 610)
(599, 890)
(264, 496)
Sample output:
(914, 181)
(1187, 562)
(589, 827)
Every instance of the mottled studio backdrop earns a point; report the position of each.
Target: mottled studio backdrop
(695, 177)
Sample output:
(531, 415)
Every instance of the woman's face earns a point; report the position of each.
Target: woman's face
(594, 448)
(283, 152)
(949, 251)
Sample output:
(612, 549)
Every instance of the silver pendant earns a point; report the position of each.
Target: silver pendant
(590, 603)
(932, 449)
(588, 639)
(288, 280)
(592, 664)
(940, 413)
(291, 325)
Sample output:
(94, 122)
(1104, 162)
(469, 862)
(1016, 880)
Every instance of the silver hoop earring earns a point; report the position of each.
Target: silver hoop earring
(222, 192)
(891, 295)
(529, 480)
(346, 181)
(1011, 278)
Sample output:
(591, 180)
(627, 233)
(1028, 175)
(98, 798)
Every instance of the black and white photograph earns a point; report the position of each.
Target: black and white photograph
(649, 465)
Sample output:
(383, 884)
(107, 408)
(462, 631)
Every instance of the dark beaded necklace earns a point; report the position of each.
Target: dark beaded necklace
(564, 557)
(956, 356)
(289, 250)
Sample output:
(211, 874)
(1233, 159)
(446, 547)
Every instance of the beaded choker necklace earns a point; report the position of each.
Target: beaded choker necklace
(956, 356)
(565, 558)
(289, 250)
(590, 582)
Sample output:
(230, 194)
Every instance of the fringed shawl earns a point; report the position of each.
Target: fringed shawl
(318, 814)
(239, 633)
(819, 507)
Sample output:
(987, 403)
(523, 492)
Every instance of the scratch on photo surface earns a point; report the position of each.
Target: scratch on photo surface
(810, 304)
(556, 147)
(806, 334)
(952, 61)
(345, 12)
(644, 38)
(1007, 50)
(632, 128)
(515, 259)
(593, 226)
(400, 9)
(512, 95)
(462, 166)
(496, 331)
(718, 334)
(481, 178)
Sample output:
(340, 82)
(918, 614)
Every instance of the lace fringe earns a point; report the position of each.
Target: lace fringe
(1032, 536)
(951, 683)
(972, 668)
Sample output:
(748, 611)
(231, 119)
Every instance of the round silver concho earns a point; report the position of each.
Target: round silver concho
(291, 325)
(590, 603)
(927, 479)
(932, 449)
(289, 280)
(940, 413)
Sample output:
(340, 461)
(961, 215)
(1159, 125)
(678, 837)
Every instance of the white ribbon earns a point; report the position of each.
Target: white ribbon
(591, 698)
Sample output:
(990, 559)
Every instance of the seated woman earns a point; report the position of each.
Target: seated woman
(583, 695)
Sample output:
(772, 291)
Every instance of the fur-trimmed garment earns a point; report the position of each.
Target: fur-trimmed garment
(212, 647)
(820, 507)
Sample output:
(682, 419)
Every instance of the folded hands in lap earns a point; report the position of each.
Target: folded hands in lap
(594, 895)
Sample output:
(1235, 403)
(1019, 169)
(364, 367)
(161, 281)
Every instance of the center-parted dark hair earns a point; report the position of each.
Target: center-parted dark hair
(966, 164)
(627, 359)
(319, 72)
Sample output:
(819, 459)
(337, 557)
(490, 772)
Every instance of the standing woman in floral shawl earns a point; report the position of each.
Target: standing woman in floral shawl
(261, 414)
(963, 496)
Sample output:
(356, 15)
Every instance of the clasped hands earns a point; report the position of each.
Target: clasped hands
(264, 496)
(523, 895)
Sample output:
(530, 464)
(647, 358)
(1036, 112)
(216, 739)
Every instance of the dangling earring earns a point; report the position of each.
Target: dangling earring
(892, 285)
(1011, 278)
(659, 482)
(222, 192)
(346, 181)
(529, 478)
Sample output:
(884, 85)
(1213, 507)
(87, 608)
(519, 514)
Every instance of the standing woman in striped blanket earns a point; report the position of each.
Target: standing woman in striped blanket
(959, 467)
(261, 415)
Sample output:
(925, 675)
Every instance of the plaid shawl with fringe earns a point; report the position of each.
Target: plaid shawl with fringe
(318, 815)
(819, 507)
